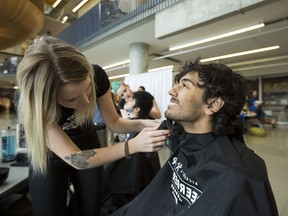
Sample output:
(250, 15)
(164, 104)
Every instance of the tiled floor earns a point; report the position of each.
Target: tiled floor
(273, 149)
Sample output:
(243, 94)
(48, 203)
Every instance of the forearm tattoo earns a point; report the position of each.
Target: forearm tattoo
(80, 159)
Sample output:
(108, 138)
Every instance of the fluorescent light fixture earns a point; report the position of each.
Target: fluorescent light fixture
(56, 3)
(240, 53)
(274, 58)
(161, 68)
(65, 18)
(79, 6)
(116, 64)
(118, 76)
(239, 31)
(261, 66)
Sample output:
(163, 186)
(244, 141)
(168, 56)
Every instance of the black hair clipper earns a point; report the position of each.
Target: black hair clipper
(166, 124)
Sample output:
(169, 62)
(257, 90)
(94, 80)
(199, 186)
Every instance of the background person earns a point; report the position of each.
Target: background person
(125, 92)
(59, 90)
(251, 101)
(140, 105)
(212, 172)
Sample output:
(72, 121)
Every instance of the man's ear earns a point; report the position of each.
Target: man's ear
(137, 109)
(214, 106)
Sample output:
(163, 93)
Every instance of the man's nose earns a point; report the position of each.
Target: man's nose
(173, 91)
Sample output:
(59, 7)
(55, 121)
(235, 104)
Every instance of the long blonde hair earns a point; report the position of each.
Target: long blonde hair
(46, 65)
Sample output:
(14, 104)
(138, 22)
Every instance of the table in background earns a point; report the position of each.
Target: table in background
(16, 181)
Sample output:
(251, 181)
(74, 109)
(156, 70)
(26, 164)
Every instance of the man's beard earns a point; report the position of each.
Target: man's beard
(190, 116)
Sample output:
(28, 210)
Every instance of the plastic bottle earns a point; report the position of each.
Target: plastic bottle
(8, 140)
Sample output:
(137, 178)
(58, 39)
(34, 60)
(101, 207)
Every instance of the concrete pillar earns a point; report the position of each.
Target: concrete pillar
(139, 58)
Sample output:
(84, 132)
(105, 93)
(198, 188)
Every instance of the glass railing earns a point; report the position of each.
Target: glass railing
(111, 16)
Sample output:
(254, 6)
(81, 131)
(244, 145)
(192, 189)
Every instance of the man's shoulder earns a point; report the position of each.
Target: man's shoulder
(245, 161)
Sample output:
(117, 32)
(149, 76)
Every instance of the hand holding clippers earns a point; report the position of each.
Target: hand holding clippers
(165, 125)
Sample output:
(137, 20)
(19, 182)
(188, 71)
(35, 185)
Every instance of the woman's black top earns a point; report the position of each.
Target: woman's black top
(83, 137)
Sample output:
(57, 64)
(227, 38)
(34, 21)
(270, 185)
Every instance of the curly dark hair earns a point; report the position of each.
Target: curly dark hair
(218, 80)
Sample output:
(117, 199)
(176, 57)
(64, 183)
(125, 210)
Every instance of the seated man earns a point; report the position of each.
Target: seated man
(126, 178)
(125, 92)
(212, 171)
(139, 105)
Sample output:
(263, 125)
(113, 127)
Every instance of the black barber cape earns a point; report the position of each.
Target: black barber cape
(207, 175)
(124, 179)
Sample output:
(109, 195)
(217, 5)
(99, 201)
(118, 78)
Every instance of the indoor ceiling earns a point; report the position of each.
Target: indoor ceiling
(64, 8)
(24, 16)
(275, 62)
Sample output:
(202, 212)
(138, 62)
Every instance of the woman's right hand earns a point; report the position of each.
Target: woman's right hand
(148, 140)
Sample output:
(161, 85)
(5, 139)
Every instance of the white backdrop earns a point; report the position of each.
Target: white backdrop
(158, 83)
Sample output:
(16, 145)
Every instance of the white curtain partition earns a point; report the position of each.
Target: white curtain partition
(157, 83)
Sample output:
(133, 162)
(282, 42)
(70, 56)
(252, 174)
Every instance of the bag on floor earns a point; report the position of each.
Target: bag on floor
(257, 131)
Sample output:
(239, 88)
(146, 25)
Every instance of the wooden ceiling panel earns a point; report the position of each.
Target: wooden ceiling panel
(19, 21)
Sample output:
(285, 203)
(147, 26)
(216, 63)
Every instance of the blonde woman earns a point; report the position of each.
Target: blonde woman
(59, 90)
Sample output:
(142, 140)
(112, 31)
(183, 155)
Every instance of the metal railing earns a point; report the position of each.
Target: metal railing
(108, 17)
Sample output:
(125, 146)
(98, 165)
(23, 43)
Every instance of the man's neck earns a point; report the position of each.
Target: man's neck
(197, 128)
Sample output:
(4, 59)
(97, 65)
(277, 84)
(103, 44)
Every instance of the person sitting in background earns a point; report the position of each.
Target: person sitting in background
(121, 102)
(251, 101)
(259, 111)
(126, 178)
(254, 108)
(139, 105)
(212, 172)
(125, 92)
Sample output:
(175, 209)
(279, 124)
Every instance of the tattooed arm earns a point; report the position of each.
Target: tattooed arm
(81, 159)
(146, 141)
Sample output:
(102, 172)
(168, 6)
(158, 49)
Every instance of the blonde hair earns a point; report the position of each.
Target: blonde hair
(46, 65)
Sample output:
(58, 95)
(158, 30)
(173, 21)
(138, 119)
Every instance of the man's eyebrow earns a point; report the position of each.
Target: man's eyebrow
(188, 80)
